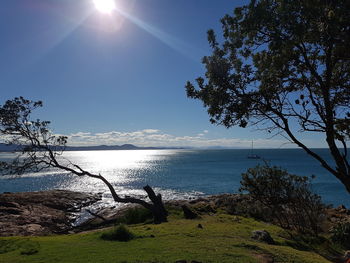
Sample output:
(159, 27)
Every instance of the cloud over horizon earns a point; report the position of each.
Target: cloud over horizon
(157, 138)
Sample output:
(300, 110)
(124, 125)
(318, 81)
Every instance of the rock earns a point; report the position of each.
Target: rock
(262, 236)
(8, 210)
(202, 207)
(9, 204)
(341, 207)
(188, 213)
(40, 213)
(210, 204)
(333, 219)
(342, 210)
(336, 216)
(264, 258)
(347, 255)
(36, 229)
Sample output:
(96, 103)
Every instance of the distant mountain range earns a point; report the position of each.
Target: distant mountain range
(12, 148)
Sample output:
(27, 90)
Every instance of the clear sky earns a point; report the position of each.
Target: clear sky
(118, 77)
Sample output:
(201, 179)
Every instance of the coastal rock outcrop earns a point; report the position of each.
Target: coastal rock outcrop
(41, 213)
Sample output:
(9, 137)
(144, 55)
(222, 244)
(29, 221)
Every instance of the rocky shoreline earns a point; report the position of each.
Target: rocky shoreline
(54, 211)
(41, 213)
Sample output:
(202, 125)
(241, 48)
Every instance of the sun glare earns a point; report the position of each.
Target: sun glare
(105, 6)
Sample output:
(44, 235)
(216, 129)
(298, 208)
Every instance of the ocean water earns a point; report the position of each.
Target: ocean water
(176, 174)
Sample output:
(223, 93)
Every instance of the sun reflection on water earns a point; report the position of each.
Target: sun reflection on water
(123, 169)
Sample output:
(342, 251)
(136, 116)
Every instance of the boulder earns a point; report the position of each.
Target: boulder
(188, 213)
(347, 254)
(262, 236)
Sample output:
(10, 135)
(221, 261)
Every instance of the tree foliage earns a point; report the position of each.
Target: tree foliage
(38, 149)
(283, 64)
(288, 198)
(341, 234)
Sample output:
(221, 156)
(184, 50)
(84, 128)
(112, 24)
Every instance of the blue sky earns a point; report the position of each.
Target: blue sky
(117, 78)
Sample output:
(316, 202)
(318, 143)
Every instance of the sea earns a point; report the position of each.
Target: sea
(176, 174)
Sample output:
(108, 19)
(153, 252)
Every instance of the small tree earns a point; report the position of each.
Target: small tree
(284, 67)
(39, 148)
(287, 197)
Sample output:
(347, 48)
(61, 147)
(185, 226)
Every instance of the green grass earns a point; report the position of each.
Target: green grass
(223, 238)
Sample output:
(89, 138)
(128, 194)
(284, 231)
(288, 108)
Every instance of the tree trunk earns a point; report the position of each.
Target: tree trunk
(159, 212)
(345, 179)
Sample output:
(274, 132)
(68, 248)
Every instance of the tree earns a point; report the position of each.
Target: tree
(283, 67)
(286, 199)
(39, 149)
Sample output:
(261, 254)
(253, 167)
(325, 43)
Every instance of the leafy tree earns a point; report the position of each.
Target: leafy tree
(39, 149)
(285, 198)
(284, 67)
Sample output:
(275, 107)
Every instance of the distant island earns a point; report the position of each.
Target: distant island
(13, 148)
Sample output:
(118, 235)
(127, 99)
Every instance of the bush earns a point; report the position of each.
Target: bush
(288, 198)
(136, 215)
(252, 208)
(119, 233)
(341, 234)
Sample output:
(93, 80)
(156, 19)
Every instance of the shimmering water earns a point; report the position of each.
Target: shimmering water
(176, 173)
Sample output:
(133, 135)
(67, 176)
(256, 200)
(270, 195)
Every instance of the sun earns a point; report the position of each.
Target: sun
(105, 6)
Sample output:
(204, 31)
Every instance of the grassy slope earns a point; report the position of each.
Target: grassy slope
(223, 238)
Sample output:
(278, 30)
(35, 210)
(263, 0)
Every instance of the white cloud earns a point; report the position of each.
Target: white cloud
(157, 138)
(80, 134)
(150, 131)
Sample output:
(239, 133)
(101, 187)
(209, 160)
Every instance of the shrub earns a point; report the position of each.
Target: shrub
(288, 198)
(252, 208)
(136, 215)
(119, 233)
(341, 234)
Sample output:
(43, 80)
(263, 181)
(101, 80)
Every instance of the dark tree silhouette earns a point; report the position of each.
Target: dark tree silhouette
(283, 67)
(39, 149)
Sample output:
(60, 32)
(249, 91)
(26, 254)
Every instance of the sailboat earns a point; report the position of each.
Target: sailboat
(252, 155)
